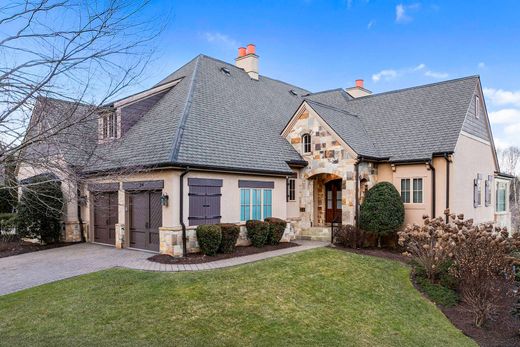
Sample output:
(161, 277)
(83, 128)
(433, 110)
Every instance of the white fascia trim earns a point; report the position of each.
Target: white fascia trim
(146, 93)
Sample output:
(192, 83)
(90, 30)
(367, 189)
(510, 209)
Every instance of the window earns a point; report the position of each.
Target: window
(405, 190)
(109, 126)
(417, 190)
(256, 203)
(291, 189)
(414, 193)
(477, 106)
(501, 197)
(306, 143)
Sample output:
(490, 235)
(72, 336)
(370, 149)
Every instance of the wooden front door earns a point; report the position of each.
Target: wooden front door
(333, 201)
(145, 214)
(105, 217)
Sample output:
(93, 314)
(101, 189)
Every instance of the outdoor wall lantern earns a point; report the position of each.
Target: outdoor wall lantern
(164, 199)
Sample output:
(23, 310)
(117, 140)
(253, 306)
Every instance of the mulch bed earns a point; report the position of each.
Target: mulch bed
(8, 249)
(198, 258)
(504, 331)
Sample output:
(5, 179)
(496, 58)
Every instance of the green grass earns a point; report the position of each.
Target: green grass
(321, 297)
(438, 293)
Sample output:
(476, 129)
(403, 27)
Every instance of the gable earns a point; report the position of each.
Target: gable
(473, 125)
(326, 144)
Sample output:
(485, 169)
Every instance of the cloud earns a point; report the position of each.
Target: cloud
(481, 65)
(387, 75)
(221, 39)
(390, 74)
(502, 97)
(505, 116)
(371, 24)
(435, 74)
(402, 12)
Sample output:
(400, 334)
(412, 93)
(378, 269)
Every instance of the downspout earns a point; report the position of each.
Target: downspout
(430, 164)
(447, 185)
(80, 220)
(181, 210)
(356, 216)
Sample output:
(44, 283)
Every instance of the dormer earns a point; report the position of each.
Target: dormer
(116, 119)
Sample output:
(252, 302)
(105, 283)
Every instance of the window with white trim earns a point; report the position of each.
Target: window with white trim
(501, 203)
(109, 126)
(306, 143)
(412, 190)
(255, 203)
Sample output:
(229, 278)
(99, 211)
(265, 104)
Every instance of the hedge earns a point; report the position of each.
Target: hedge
(230, 234)
(257, 232)
(276, 230)
(209, 237)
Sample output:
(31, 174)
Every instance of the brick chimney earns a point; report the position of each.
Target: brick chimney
(248, 60)
(359, 90)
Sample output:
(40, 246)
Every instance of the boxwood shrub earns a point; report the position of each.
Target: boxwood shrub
(276, 230)
(209, 237)
(257, 232)
(230, 234)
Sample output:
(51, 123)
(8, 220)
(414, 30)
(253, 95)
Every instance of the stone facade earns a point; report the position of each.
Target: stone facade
(329, 159)
(72, 232)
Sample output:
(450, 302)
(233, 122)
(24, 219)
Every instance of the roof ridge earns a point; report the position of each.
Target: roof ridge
(185, 112)
(416, 87)
(332, 107)
(325, 91)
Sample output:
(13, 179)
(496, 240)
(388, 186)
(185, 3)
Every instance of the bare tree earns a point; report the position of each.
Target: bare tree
(60, 62)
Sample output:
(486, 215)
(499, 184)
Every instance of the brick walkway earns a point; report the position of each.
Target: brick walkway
(33, 269)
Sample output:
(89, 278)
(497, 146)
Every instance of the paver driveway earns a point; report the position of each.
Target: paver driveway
(31, 269)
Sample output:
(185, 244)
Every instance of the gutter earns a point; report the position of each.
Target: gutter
(181, 210)
(356, 215)
(80, 220)
(447, 186)
(432, 169)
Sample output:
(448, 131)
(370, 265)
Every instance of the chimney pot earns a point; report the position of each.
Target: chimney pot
(359, 83)
(251, 49)
(241, 51)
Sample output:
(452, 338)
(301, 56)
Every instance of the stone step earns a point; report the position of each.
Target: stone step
(314, 238)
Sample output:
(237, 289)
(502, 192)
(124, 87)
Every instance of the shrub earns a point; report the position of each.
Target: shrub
(8, 199)
(40, 210)
(429, 245)
(437, 292)
(230, 234)
(7, 222)
(209, 237)
(276, 229)
(257, 232)
(350, 236)
(382, 212)
(480, 257)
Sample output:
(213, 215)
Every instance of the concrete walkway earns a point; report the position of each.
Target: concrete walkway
(32, 269)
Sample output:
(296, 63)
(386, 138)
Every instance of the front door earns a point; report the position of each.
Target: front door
(105, 217)
(145, 219)
(333, 201)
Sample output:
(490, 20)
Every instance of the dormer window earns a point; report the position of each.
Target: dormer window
(306, 143)
(108, 126)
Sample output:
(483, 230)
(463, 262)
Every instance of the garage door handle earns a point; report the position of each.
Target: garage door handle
(147, 225)
(205, 205)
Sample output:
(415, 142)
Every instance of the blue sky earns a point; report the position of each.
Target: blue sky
(328, 44)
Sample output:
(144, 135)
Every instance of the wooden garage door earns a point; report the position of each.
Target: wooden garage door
(145, 219)
(105, 217)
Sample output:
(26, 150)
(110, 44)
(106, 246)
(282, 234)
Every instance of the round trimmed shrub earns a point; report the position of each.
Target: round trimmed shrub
(209, 237)
(257, 232)
(40, 210)
(382, 212)
(276, 230)
(230, 234)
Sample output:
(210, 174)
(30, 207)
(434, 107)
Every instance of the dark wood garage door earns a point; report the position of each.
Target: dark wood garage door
(105, 217)
(145, 219)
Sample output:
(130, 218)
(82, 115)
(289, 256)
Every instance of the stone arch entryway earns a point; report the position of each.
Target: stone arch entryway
(327, 198)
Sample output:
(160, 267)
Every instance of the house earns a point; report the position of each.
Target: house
(215, 142)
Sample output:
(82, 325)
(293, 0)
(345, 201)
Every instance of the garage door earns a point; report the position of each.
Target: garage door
(105, 217)
(145, 219)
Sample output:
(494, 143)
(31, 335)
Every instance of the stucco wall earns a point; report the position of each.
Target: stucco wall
(471, 157)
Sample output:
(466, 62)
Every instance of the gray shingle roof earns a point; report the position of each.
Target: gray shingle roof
(211, 119)
(227, 120)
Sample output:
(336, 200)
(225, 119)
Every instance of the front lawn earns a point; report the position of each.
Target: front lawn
(318, 297)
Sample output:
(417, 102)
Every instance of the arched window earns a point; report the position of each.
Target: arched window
(306, 143)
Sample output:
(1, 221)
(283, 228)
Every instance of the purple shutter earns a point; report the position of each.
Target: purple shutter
(204, 205)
